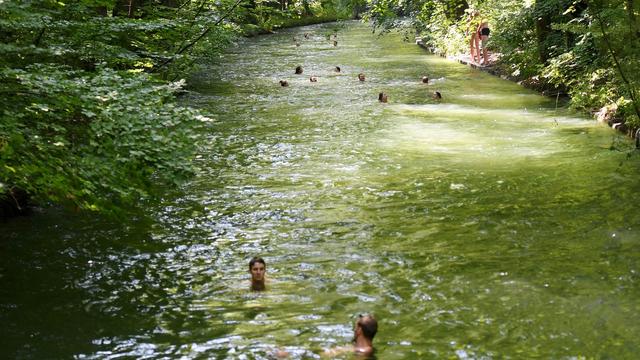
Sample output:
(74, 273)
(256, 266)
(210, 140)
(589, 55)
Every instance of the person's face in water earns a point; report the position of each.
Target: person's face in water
(357, 329)
(257, 272)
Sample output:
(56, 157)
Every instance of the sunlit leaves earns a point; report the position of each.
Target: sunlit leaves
(93, 139)
(81, 122)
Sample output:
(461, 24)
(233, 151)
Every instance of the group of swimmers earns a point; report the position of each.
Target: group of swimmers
(382, 97)
(365, 328)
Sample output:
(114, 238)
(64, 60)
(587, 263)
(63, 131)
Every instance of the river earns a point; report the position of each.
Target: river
(495, 223)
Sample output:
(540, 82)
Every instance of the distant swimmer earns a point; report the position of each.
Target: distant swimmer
(335, 42)
(365, 329)
(382, 97)
(361, 77)
(306, 35)
(337, 69)
(284, 83)
(313, 79)
(298, 70)
(258, 269)
(425, 79)
(436, 95)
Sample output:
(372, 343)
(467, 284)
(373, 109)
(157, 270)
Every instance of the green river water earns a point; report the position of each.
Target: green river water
(490, 225)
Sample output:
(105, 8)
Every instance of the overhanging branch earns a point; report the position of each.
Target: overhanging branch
(192, 43)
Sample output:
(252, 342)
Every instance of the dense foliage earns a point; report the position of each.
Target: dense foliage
(588, 49)
(88, 109)
(88, 113)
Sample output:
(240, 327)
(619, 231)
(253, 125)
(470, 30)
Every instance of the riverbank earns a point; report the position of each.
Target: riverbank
(605, 114)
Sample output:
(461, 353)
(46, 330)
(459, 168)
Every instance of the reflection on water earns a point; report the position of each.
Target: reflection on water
(490, 225)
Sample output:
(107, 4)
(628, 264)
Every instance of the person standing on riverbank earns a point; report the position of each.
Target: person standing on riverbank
(472, 34)
(258, 270)
(483, 34)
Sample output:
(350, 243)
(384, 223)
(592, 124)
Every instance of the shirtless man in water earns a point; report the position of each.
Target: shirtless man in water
(363, 333)
(258, 269)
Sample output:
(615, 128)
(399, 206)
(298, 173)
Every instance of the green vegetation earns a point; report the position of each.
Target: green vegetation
(88, 109)
(586, 49)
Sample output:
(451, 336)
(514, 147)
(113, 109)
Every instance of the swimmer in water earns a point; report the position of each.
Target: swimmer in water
(382, 97)
(258, 270)
(365, 329)
(361, 77)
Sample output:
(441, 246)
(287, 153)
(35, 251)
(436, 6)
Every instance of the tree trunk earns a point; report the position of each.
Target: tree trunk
(125, 8)
(101, 11)
(633, 24)
(306, 8)
(543, 28)
(170, 3)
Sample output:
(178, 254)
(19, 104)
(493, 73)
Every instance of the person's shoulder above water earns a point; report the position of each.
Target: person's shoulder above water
(364, 331)
(366, 328)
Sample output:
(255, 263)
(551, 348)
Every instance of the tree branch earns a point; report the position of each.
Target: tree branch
(204, 33)
(617, 63)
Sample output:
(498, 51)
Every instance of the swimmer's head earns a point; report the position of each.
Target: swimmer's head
(284, 83)
(368, 325)
(436, 95)
(425, 79)
(361, 77)
(298, 69)
(257, 268)
(337, 69)
(382, 97)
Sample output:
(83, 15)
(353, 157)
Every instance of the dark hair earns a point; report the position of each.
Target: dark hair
(438, 95)
(257, 259)
(298, 69)
(338, 68)
(369, 326)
